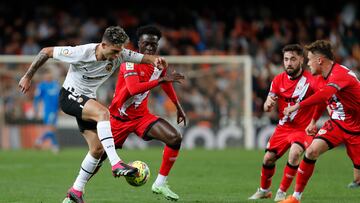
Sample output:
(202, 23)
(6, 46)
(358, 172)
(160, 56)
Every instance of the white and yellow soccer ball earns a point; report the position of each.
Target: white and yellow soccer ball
(141, 176)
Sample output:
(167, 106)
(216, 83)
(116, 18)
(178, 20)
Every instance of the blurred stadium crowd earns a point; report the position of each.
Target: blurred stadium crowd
(228, 28)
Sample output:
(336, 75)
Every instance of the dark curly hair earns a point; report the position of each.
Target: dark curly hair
(322, 47)
(294, 47)
(115, 35)
(149, 30)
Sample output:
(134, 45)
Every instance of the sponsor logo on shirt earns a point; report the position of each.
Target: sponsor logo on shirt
(93, 78)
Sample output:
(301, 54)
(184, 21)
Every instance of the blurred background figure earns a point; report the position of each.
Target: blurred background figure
(47, 94)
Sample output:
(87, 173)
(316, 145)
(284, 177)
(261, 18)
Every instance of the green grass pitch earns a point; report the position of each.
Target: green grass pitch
(199, 175)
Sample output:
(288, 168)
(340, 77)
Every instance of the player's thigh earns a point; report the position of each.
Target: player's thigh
(328, 137)
(121, 130)
(95, 111)
(164, 131)
(269, 158)
(278, 142)
(72, 103)
(300, 138)
(317, 147)
(50, 118)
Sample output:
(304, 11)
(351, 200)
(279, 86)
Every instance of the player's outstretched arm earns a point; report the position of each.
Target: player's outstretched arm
(181, 116)
(170, 92)
(172, 77)
(157, 61)
(39, 60)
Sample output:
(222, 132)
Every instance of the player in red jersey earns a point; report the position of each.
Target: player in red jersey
(130, 113)
(340, 89)
(290, 87)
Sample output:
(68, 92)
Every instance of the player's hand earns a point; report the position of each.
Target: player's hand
(311, 129)
(172, 77)
(160, 62)
(181, 117)
(24, 84)
(270, 103)
(288, 110)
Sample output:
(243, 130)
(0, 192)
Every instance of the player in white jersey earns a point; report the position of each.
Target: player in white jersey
(90, 66)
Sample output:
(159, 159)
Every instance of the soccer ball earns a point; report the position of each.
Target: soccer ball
(141, 176)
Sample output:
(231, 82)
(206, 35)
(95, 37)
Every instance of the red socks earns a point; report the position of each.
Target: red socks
(267, 173)
(289, 174)
(169, 158)
(304, 173)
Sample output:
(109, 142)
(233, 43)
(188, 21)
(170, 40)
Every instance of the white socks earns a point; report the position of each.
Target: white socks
(160, 180)
(87, 168)
(264, 190)
(107, 141)
(297, 195)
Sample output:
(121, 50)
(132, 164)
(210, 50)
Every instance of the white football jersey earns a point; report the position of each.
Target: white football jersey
(86, 74)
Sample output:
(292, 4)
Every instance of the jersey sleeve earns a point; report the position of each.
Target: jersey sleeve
(131, 56)
(339, 80)
(274, 89)
(132, 80)
(74, 54)
(169, 88)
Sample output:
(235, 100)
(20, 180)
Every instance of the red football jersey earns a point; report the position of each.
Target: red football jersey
(129, 105)
(345, 103)
(291, 91)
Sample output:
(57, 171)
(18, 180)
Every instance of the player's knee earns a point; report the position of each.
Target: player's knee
(269, 162)
(312, 153)
(103, 114)
(174, 141)
(269, 159)
(294, 158)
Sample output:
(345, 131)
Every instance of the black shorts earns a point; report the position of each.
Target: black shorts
(73, 103)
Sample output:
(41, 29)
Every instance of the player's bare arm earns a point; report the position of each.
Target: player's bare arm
(181, 117)
(159, 62)
(270, 103)
(288, 110)
(172, 77)
(39, 60)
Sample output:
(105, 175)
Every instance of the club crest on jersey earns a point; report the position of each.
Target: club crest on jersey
(65, 52)
(108, 67)
(282, 89)
(129, 66)
(322, 131)
(79, 100)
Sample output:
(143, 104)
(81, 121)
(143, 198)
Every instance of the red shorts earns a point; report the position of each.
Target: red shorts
(140, 126)
(283, 138)
(333, 135)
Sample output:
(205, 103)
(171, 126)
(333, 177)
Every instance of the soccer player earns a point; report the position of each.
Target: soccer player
(90, 66)
(130, 114)
(47, 92)
(290, 87)
(341, 90)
